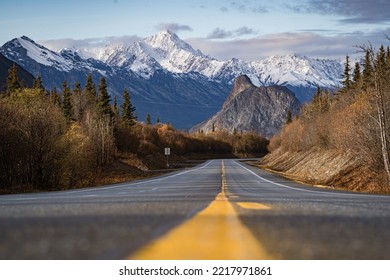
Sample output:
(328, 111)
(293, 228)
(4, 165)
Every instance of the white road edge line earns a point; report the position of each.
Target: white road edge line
(140, 183)
(310, 191)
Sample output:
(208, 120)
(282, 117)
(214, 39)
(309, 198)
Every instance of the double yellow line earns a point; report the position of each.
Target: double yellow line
(215, 233)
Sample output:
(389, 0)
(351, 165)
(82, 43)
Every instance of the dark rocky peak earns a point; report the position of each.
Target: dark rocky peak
(240, 84)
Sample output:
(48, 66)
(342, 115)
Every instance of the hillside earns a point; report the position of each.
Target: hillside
(325, 169)
(341, 140)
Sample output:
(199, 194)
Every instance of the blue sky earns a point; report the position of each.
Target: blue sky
(246, 29)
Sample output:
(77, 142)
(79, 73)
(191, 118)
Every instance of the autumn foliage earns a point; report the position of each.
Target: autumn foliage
(354, 120)
(68, 139)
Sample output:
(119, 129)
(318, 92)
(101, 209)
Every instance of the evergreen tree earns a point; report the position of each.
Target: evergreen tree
(158, 120)
(90, 92)
(367, 72)
(55, 97)
(148, 119)
(94, 91)
(346, 75)
(77, 88)
(356, 74)
(13, 83)
(67, 107)
(127, 109)
(89, 85)
(103, 106)
(115, 108)
(79, 102)
(381, 60)
(388, 56)
(38, 85)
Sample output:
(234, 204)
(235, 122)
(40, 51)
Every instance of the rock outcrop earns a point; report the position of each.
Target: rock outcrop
(248, 108)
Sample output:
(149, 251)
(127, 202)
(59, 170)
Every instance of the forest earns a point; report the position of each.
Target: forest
(79, 137)
(354, 121)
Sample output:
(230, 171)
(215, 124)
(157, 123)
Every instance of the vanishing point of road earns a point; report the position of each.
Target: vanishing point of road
(221, 209)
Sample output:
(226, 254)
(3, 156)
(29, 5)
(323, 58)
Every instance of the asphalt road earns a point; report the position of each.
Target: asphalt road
(288, 220)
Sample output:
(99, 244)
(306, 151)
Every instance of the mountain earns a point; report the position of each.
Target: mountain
(5, 65)
(167, 77)
(166, 51)
(183, 99)
(248, 107)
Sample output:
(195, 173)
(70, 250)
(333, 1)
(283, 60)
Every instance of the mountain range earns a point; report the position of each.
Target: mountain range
(167, 77)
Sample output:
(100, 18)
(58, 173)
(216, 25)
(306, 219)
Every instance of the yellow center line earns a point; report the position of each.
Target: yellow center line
(253, 206)
(215, 233)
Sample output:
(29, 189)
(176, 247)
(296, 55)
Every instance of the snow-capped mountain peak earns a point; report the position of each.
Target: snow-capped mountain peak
(168, 41)
(41, 54)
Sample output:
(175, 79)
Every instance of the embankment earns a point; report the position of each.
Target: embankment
(329, 168)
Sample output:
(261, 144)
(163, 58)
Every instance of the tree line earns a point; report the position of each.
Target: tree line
(60, 139)
(51, 140)
(355, 119)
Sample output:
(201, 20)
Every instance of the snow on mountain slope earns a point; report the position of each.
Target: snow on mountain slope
(165, 51)
(298, 71)
(43, 55)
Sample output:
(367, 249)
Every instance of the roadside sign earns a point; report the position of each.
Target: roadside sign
(167, 152)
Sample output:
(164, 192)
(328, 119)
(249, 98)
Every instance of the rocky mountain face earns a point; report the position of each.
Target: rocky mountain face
(167, 78)
(248, 107)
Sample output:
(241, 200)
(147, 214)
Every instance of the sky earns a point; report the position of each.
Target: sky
(247, 29)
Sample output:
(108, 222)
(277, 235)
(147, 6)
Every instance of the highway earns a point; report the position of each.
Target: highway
(222, 209)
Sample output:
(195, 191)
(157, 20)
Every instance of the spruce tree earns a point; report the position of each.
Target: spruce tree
(55, 97)
(103, 105)
(367, 72)
(356, 74)
(67, 107)
(381, 60)
(346, 75)
(38, 85)
(89, 85)
(90, 92)
(79, 102)
(388, 56)
(115, 108)
(127, 109)
(13, 83)
(148, 119)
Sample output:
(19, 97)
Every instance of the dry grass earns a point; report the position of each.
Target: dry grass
(331, 169)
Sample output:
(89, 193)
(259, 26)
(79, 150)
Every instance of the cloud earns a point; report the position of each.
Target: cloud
(244, 31)
(175, 27)
(224, 9)
(304, 43)
(351, 11)
(219, 33)
(247, 6)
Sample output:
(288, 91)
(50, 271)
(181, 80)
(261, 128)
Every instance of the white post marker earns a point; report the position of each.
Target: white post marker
(167, 152)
